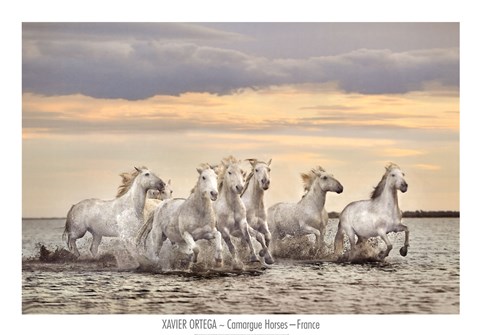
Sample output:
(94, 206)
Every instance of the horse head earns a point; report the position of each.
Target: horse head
(318, 177)
(232, 176)
(261, 172)
(396, 177)
(207, 181)
(148, 180)
(167, 191)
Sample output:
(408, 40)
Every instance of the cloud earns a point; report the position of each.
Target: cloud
(134, 62)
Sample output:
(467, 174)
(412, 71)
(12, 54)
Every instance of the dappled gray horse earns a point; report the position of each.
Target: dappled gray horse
(118, 217)
(377, 216)
(308, 215)
(257, 182)
(185, 221)
(230, 210)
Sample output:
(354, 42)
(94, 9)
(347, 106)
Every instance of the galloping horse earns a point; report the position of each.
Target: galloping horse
(377, 216)
(185, 221)
(230, 211)
(257, 182)
(118, 217)
(308, 215)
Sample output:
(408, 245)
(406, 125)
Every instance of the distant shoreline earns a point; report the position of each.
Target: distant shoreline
(417, 214)
(334, 215)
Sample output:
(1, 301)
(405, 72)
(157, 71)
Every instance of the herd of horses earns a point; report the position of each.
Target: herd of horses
(226, 202)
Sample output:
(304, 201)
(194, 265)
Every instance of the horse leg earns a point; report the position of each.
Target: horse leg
(307, 230)
(263, 228)
(72, 246)
(237, 264)
(385, 239)
(218, 249)
(244, 228)
(191, 245)
(351, 238)
(209, 233)
(264, 252)
(95, 243)
(406, 244)
(158, 239)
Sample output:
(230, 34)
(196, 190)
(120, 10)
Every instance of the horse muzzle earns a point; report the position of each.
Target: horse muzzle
(160, 185)
(404, 187)
(213, 195)
(340, 190)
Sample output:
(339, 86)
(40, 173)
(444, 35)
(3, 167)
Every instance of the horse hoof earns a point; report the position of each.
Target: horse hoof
(269, 260)
(403, 251)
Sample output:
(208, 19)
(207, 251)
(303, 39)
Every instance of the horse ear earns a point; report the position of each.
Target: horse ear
(169, 182)
(138, 170)
(199, 171)
(269, 162)
(252, 161)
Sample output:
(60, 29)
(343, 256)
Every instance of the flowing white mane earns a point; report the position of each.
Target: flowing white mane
(127, 180)
(309, 177)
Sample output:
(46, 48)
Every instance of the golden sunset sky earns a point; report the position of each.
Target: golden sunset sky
(101, 98)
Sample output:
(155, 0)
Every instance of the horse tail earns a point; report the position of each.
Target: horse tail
(338, 250)
(145, 230)
(68, 226)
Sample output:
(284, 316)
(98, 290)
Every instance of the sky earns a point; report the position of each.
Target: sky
(101, 98)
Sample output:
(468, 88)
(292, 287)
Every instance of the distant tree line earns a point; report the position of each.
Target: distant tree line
(416, 214)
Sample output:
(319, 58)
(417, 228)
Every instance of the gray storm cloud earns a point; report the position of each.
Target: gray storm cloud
(129, 62)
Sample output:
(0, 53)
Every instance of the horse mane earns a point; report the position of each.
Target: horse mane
(377, 190)
(127, 180)
(230, 160)
(247, 181)
(309, 177)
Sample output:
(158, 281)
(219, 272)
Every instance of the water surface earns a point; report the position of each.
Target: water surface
(427, 281)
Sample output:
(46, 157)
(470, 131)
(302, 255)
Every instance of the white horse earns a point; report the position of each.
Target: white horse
(377, 216)
(153, 200)
(154, 196)
(185, 221)
(307, 216)
(230, 210)
(118, 217)
(257, 182)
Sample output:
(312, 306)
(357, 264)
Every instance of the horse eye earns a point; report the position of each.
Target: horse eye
(204, 178)
(324, 177)
(393, 174)
(171, 192)
(147, 174)
(256, 170)
(229, 172)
